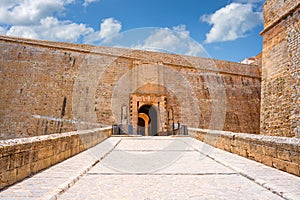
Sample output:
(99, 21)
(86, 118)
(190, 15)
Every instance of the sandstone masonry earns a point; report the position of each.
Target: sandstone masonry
(282, 153)
(50, 87)
(22, 157)
(280, 104)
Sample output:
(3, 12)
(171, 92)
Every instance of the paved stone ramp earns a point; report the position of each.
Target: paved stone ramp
(156, 168)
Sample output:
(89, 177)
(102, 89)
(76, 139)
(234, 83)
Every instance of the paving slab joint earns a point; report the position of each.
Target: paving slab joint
(69, 183)
(259, 182)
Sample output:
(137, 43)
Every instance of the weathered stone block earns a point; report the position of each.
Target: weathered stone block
(295, 156)
(7, 178)
(23, 171)
(269, 151)
(33, 155)
(267, 160)
(283, 154)
(4, 163)
(293, 168)
(279, 164)
(45, 152)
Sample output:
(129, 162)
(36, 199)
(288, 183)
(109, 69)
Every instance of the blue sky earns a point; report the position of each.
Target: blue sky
(227, 30)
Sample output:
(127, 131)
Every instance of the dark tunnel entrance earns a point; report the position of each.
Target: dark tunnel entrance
(148, 120)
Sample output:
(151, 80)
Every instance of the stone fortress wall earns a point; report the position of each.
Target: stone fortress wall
(278, 143)
(50, 87)
(280, 110)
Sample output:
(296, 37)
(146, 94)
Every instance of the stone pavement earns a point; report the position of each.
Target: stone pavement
(156, 168)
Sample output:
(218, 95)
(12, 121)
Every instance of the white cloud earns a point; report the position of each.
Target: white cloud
(194, 49)
(176, 40)
(22, 31)
(51, 28)
(36, 19)
(231, 22)
(181, 29)
(162, 39)
(87, 2)
(109, 27)
(29, 12)
(249, 1)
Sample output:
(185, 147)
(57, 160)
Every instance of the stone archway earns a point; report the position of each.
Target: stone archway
(148, 120)
(154, 107)
(143, 124)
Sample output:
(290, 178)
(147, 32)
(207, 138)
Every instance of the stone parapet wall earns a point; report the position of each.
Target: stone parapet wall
(279, 152)
(20, 158)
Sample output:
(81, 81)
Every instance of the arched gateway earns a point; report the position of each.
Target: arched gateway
(148, 114)
(148, 120)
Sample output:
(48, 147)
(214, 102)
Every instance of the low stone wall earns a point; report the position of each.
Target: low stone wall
(22, 157)
(279, 152)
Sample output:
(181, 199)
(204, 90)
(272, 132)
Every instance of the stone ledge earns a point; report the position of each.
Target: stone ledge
(205, 64)
(24, 141)
(22, 157)
(279, 152)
